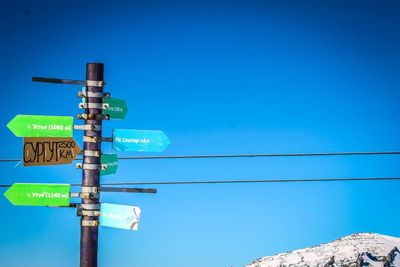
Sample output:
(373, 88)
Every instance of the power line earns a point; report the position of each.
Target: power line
(322, 154)
(256, 181)
(267, 155)
(241, 181)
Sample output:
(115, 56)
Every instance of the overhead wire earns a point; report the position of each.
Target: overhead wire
(238, 181)
(320, 154)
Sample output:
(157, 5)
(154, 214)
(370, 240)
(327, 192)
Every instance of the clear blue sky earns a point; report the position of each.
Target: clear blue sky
(218, 77)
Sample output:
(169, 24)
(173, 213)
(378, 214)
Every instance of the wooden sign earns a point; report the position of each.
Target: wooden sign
(49, 151)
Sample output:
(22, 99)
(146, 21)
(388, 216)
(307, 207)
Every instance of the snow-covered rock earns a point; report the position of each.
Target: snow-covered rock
(362, 249)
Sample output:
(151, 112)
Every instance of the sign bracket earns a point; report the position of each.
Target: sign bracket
(92, 223)
(67, 81)
(85, 195)
(85, 116)
(88, 127)
(94, 105)
(84, 94)
(88, 166)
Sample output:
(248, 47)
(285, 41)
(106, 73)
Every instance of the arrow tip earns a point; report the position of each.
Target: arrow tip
(11, 125)
(8, 194)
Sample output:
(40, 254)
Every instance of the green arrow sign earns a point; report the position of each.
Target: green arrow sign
(117, 108)
(41, 126)
(112, 164)
(39, 194)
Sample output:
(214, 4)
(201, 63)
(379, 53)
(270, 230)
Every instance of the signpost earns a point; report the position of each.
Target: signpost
(39, 194)
(49, 151)
(41, 126)
(140, 140)
(117, 108)
(119, 216)
(48, 141)
(112, 164)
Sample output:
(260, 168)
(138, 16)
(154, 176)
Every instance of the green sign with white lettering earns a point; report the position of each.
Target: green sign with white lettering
(111, 160)
(41, 126)
(117, 108)
(39, 194)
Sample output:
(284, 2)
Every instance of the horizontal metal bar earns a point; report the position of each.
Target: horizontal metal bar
(56, 80)
(67, 81)
(128, 190)
(71, 205)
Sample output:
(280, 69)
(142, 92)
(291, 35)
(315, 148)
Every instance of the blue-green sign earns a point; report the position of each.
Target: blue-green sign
(117, 108)
(140, 140)
(111, 160)
(119, 216)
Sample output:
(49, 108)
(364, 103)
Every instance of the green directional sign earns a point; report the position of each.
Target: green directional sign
(39, 194)
(117, 108)
(111, 160)
(41, 126)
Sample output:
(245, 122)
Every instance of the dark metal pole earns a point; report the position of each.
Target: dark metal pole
(91, 177)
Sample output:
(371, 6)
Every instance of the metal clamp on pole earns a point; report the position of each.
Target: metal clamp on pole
(83, 209)
(93, 116)
(91, 213)
(87, 127)
(91, 153)
(90, 189)
(88, 166)
(90, 206)
(84, 93)
(94, 105)
(93, 223)
(91, 139)
(94, 139)
(95, 83)
(85, 195)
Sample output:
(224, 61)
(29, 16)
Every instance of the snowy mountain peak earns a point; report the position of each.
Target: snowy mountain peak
(361, 249)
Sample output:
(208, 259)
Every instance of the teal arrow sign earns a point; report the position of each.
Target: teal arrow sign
(111, 160)
(39, 194)
(41, 126)
(117, 108)
(140, 140)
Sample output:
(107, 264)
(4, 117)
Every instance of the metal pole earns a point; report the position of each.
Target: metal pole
(91, 178)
